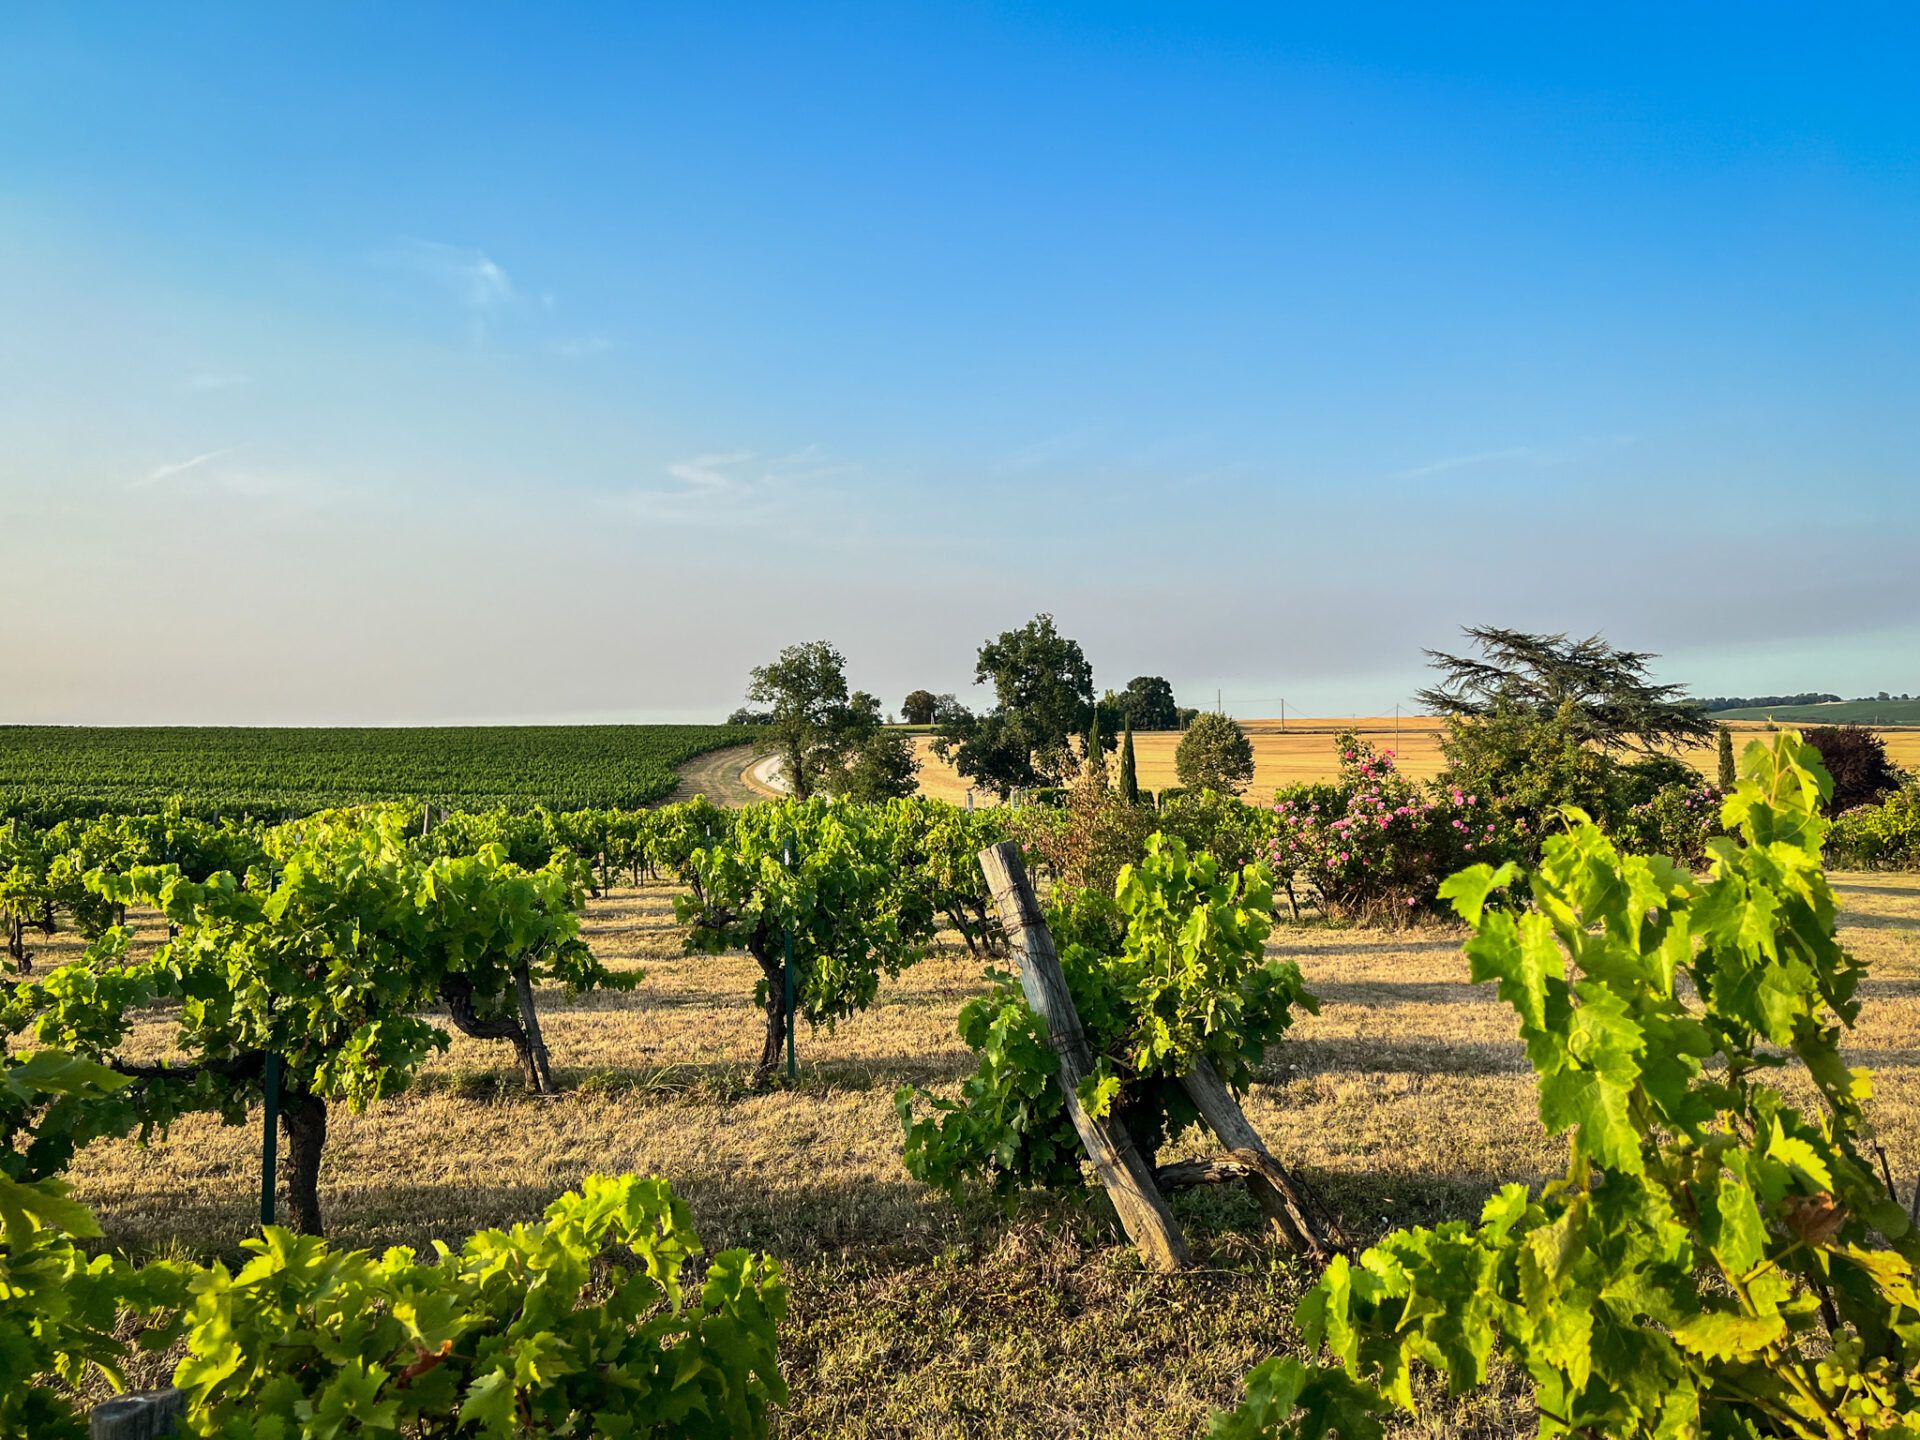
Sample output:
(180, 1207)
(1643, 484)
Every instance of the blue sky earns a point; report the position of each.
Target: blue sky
(457, 363)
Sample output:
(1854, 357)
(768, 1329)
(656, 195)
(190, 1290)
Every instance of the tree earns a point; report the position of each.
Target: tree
(745, 716)
(1603, 693)
(1095, 759)
(918, 707)
(1215, 754)
(1129, 782)
(1729, 776)
(1043, 693)
(816, 725)
(1856, 758)
(1147, 704)
(883, 768)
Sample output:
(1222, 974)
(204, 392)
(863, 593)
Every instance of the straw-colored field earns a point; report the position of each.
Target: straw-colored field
(1303, 750)
(1407, 1099)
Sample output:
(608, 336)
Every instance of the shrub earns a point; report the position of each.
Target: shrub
(1083, 842)
(1168, 968)
(1857, 760)
(1677, 822)
(883, 767)
(1214, 754)
(1885, 836)
(1224, 826)
(1529, 765)
(1373, 844)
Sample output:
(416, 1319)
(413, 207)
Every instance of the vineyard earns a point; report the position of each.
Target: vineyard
(53, 772)
(483, 1020)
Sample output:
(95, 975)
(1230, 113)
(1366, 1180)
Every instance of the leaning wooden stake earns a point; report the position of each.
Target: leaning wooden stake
(530, 1022)
(1279, 1194)
(1129, 1181)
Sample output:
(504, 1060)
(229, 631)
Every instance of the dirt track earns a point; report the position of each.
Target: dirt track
(718, 776)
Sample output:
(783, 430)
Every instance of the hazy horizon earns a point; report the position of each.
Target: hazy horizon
(433, 366)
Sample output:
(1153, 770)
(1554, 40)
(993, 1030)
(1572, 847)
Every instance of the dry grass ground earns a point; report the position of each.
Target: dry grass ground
(1406, 1099)
(1303, 750)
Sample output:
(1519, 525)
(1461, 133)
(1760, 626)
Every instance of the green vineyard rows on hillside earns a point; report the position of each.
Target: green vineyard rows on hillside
(47, 771)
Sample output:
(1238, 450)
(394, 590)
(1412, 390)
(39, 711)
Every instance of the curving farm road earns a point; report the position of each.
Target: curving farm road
(720, 775)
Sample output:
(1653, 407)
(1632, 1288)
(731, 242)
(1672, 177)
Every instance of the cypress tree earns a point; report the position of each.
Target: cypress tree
(1728, 776)
(1096, 758)
(1129, 779)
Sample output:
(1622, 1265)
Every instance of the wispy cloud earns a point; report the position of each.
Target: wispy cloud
(471, 277)
(1048, 451)
(1481, 457)
(162, 473)
(214, 473)
(730, 486)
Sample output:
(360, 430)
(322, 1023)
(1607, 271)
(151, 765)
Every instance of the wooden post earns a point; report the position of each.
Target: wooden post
(1276, 1191)
(1143, 1210)
(141, 1415)
(530, 1022)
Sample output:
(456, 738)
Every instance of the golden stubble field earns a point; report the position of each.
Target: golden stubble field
(1303, 750)
(1405, 1100)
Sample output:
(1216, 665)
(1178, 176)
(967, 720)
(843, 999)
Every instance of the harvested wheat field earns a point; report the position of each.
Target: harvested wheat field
(1302, 750)
(1405, 1100)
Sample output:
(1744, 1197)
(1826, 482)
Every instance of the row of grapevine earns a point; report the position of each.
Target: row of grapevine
(50, 773)
(580, 1323)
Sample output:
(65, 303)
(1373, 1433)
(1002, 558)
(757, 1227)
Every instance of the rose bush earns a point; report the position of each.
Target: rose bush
(1374, 844)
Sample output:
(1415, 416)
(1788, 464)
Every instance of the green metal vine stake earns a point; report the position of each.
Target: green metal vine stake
(269, 1138)
(787, 971)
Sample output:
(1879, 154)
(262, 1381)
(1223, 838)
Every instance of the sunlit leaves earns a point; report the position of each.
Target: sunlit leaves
(1714, 1259)
(1168, 971)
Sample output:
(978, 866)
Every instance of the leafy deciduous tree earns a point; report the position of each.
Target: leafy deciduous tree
(1215, 754)
(1043, 692)
(816, 723)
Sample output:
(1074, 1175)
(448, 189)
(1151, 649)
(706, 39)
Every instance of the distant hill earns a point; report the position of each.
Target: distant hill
(1838, 712)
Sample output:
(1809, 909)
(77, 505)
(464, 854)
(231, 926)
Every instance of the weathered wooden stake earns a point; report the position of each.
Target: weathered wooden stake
(1129, 1181)
(530, 1022)
(141, 1415)
(1276, 1191)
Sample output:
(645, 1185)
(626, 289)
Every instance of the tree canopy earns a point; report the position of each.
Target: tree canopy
(1043, 693)
(1147, 704)
(1215, 754)
(816, 724)
(1604, 693)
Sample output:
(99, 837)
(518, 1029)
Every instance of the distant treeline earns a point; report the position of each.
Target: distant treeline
(1754, 702)
(1758, 702)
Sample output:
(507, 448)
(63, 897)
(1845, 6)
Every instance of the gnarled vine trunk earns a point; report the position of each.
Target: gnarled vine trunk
(303, 1115)
(457, 991)
(773, 967)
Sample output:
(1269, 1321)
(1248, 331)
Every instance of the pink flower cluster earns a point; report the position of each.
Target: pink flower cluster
(1375, 837)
